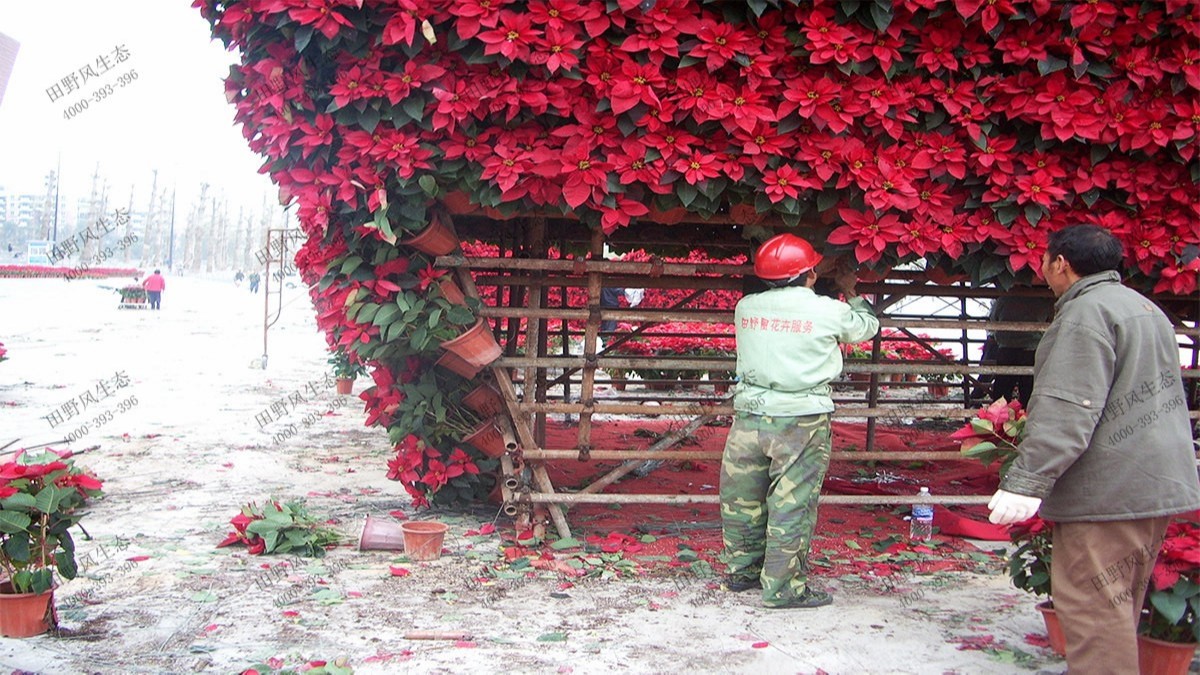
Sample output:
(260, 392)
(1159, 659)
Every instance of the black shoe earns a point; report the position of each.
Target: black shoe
(809, 599)
(737, 584)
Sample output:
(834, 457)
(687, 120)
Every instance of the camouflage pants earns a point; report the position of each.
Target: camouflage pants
(771, 476)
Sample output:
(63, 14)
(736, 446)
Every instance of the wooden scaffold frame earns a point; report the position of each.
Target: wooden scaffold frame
(525, 382)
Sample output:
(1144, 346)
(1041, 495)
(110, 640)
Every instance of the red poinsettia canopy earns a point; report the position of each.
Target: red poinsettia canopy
(935, 129)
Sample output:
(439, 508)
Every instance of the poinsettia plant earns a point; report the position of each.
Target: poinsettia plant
(1172, 610)
(960, 132)
(1029, 564)
(41, 497)
(994, 434)
(280, 527)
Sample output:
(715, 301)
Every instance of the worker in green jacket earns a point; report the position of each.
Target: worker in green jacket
(778, 448)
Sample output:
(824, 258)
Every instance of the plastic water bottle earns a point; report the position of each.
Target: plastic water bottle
(920, 526)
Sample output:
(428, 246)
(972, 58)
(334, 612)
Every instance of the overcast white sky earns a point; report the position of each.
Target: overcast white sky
(173, 117)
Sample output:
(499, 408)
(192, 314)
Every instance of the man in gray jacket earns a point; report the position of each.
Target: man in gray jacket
(1108, 448)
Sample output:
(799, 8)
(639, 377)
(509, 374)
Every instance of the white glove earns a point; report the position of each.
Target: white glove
(634, 296)
(1008, 508)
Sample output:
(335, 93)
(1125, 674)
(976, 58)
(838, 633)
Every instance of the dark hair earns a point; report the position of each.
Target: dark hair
(1089, 248)
(799, 280)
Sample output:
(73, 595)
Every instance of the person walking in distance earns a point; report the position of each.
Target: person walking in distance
(778, 448)
(154, 285)
(1108, 452)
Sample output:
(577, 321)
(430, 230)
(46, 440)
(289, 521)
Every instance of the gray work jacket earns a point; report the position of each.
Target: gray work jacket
(1108, 437)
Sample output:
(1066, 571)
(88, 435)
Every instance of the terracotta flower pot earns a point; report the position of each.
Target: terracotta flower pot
(871, 276)
(488, 439)
(1159, 657)
(671, 217)
(939, 390)
(436, 239)
(380, 534)
(942, 277)
(745, 214)
(458, 203)
(475, 345)
(484, 400)
(455, 364)
(345, 386)
(451, 291)
(423, 539)
(25, 614)
(860, 377)
(1054, 631)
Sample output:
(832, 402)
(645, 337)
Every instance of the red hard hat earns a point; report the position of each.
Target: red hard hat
(784, 256)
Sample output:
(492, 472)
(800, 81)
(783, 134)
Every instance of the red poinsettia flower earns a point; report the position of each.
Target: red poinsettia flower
(635, 84)
(402, 24)
(513, 38)
(322, 15)
(785, 183)
(1038, 188)
(1180, 555)
(698, 166)
(870, 233)
(622, 214)
(718, 43)
(10, 471)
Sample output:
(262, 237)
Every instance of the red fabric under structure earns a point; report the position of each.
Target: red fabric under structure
(697, 526)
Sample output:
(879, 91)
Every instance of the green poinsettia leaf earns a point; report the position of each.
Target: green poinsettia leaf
(1169, 605)
(50, 499)
(12, 522)
(21, 502)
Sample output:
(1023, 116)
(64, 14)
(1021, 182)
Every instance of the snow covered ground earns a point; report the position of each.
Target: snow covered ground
(188, 442)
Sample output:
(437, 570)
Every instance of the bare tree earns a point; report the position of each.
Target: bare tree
(152, 244)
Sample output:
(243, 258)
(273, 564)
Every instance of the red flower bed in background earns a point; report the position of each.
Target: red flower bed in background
(42, 271)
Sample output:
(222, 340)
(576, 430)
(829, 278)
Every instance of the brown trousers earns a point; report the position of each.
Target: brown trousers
(1098, 577)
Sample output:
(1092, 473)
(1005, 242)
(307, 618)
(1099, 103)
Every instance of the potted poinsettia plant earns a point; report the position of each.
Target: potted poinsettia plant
(346, 368)
(280, 527)
(993, 436)
(41, 497)
(1170, 627)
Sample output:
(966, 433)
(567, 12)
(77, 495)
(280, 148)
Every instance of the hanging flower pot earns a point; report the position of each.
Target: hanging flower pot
(942, 277)
(1159, 657)
(25, 614)
(436, 239)
(871, 276)
(488, 439)
(671, 217)
(458, 203)
(379, 534)
(457, 365)
(345, 386)
(1054, 631)
(451, 292)
(745, 214)
(423, 539)
(484, 400)
(476, 345)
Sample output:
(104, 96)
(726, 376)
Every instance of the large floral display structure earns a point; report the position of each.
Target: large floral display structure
(886, 131)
